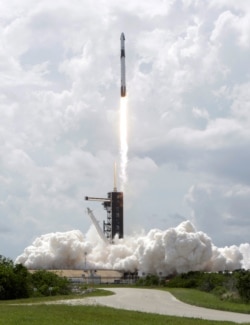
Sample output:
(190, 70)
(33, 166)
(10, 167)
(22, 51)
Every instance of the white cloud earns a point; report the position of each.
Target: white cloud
(187, 80)
(241, 102)
(221, 209)
(200, 113)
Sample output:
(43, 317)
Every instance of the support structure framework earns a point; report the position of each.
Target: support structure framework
(113, 204)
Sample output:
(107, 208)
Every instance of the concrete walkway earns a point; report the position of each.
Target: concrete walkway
(158, 302)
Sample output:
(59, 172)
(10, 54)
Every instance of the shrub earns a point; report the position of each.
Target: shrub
(219, 291)
(243, 285)
(46, 283)
(149, 280)
(14, 280)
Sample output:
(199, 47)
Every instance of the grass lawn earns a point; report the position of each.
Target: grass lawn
(98, 315)
(88, 315)
(94, 293)
(208, 300)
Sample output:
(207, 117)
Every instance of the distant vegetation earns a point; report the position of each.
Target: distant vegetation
(233, 286)
(16, 282)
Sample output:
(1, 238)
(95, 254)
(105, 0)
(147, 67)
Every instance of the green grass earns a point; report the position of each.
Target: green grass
(98, 315)
(95, 293)
(208, 300)
(88, 315)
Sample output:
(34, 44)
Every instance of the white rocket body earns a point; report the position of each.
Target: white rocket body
(123, 67)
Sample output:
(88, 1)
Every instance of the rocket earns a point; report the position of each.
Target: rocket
(123, 68)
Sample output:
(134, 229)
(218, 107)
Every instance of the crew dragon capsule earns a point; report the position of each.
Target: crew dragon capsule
(123, 68)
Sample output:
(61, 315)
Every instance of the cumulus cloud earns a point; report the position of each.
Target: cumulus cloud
(188, 98)
(228, 207)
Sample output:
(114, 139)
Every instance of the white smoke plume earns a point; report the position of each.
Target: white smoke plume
(175, 250)
(245, 251)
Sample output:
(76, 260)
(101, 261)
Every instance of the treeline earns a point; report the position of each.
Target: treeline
(16, 282)
(227, 285)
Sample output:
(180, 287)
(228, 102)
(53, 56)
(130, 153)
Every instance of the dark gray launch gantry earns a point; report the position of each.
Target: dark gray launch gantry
(113, 204)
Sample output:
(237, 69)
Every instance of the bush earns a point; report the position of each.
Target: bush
(186, 280)
(14, 280)
(46, 283)
(149, 280)
(243, 285)
(219, 291)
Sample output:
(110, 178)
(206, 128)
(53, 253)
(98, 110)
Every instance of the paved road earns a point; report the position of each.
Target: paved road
(159, 302)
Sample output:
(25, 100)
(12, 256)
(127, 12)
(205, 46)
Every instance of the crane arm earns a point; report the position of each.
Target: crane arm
(97, 226)
(100, 199)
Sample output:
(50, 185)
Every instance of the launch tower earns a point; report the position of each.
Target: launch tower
(113, 204)
(114, 207)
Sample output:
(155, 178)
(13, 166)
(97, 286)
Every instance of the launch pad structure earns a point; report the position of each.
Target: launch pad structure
(113, 204)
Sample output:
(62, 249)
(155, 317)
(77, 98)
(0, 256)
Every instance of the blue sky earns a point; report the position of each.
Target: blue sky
(188, 83)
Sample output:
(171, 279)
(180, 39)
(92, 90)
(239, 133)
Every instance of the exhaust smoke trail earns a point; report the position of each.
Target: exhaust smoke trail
(123, 142)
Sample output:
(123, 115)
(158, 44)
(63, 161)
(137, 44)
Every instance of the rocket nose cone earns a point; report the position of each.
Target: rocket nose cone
(122, 36)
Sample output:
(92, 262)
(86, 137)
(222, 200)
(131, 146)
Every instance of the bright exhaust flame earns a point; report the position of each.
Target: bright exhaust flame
(123, 142)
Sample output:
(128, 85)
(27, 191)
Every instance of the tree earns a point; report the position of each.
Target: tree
(14, 280)
(47, 283)
(243, 285)
(22, 281)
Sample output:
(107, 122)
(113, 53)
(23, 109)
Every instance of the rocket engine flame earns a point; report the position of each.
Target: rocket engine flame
(123, 142)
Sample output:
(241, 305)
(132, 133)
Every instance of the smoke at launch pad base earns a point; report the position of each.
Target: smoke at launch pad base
(175, 250)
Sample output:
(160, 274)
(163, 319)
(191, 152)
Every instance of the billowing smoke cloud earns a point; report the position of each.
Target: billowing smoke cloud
(174, 250)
